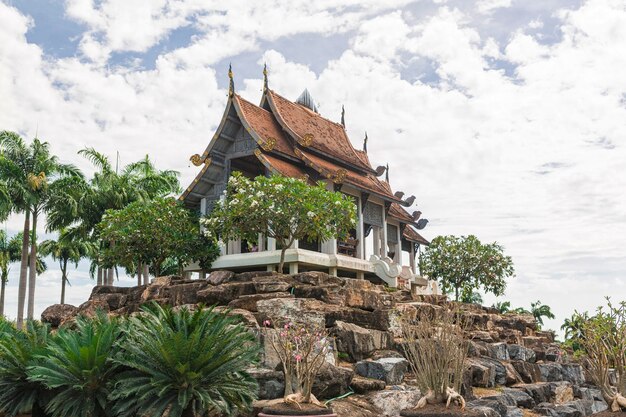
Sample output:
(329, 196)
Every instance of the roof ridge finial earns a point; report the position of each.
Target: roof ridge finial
(365, 143)
(343, 116)
(231, 85)
(387, 173)
(265, 83)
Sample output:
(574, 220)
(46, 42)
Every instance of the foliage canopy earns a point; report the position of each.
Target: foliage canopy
(464, 264)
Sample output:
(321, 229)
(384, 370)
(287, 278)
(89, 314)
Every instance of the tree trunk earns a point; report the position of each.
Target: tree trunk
(456, 294)
(99, 275)
(139, 272)
(2, 289)
(146, 274)
(105, 276)
(203, 274)
(282, 260)
(32, 269)
(110, 277)
(63, 280)
(21, 295)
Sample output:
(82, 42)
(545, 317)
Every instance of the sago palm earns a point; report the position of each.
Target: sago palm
(18, 351)
(539, 311)
(189, 363)
(77, 366)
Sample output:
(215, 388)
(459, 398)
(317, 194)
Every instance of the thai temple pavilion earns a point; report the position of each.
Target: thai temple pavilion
(279, 136)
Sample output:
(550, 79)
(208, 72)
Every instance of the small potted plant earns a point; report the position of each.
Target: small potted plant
(302, 350)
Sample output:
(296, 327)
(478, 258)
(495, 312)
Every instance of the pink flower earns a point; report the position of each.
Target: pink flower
(286, 326)
(298, 358)
(267, 323)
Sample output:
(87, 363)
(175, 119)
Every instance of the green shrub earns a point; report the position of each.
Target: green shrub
(19, 350)
(190, 363)
(77, 365)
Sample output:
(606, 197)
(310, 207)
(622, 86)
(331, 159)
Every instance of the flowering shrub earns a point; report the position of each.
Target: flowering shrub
(283, 208)
(302, 350)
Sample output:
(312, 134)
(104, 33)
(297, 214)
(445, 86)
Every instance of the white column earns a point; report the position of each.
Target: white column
(260, 243)
(332, 271)
(384, 248)
(293, 268)
(330, 246)
(376, 238)
(398, 257)
(271, 244)
(360, 235)
(412, 257)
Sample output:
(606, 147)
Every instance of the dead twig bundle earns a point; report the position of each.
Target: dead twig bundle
(436, 351)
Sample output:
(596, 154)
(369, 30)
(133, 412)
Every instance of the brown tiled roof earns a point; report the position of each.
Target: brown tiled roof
(398, 212)
(331, 171)
(412, 235)
(363, 157)
(281, 166)
(312, 130)
(264, 124)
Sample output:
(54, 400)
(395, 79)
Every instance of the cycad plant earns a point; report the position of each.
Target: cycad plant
(192, 364)
(19, 350)
(77, 367)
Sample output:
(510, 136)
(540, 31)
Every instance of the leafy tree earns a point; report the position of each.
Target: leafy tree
(67, 248)
(464, 264)
(9, 253)
(539, 311)
(190, 363)
(77, 366)
(473, 297)
(283, 208)
(80, 208)
(503, 307)
(18, 352)
(151, 232)
(32, 175)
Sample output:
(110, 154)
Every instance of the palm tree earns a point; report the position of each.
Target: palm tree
(80, 208)
(190, 363)
(31, 173)
(503, 307)
(9, 252)
(77, 365)
(473, 297)
(67, 248)
(539, 311)
(574, 327)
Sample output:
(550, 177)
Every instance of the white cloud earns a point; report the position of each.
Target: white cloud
(488, 6)
(529, 156)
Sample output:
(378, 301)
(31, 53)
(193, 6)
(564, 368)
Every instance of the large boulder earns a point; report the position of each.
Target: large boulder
(573, 372)
(521, 353)
(302, 310)
(358, 342)
(529, 372)
(332, 381)
(225, 293)
(481, 374)
(249, 302)
(391, 402)
(355, 406)
(220, 277)
(57, 314)
(271, 383)
(551, 371)
(521, 398)
(390, 370)
(499, 351)
(498, 406)
(540, 392)
(186, 293)
(272, 284)
(562, 392)
(361, 385)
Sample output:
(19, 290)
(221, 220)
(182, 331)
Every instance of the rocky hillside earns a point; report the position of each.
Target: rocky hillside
(513, 369)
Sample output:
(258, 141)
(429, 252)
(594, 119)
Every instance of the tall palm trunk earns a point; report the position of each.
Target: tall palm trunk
(2, 289)
(32, 269)
(21, 293)
(110, 277)
(146, 274)
(139, 272)
(99, 275)
(63, 280)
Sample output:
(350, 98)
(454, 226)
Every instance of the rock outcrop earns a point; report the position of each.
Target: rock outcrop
(520, 366)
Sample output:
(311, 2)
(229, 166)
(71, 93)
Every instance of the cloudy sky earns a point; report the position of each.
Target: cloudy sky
(506, 118)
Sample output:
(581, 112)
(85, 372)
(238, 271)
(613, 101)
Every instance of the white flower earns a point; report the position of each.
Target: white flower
(234, 201)
(260, 194)
(310, 214)
(337, 203)
(254, 203)
(279, 187)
